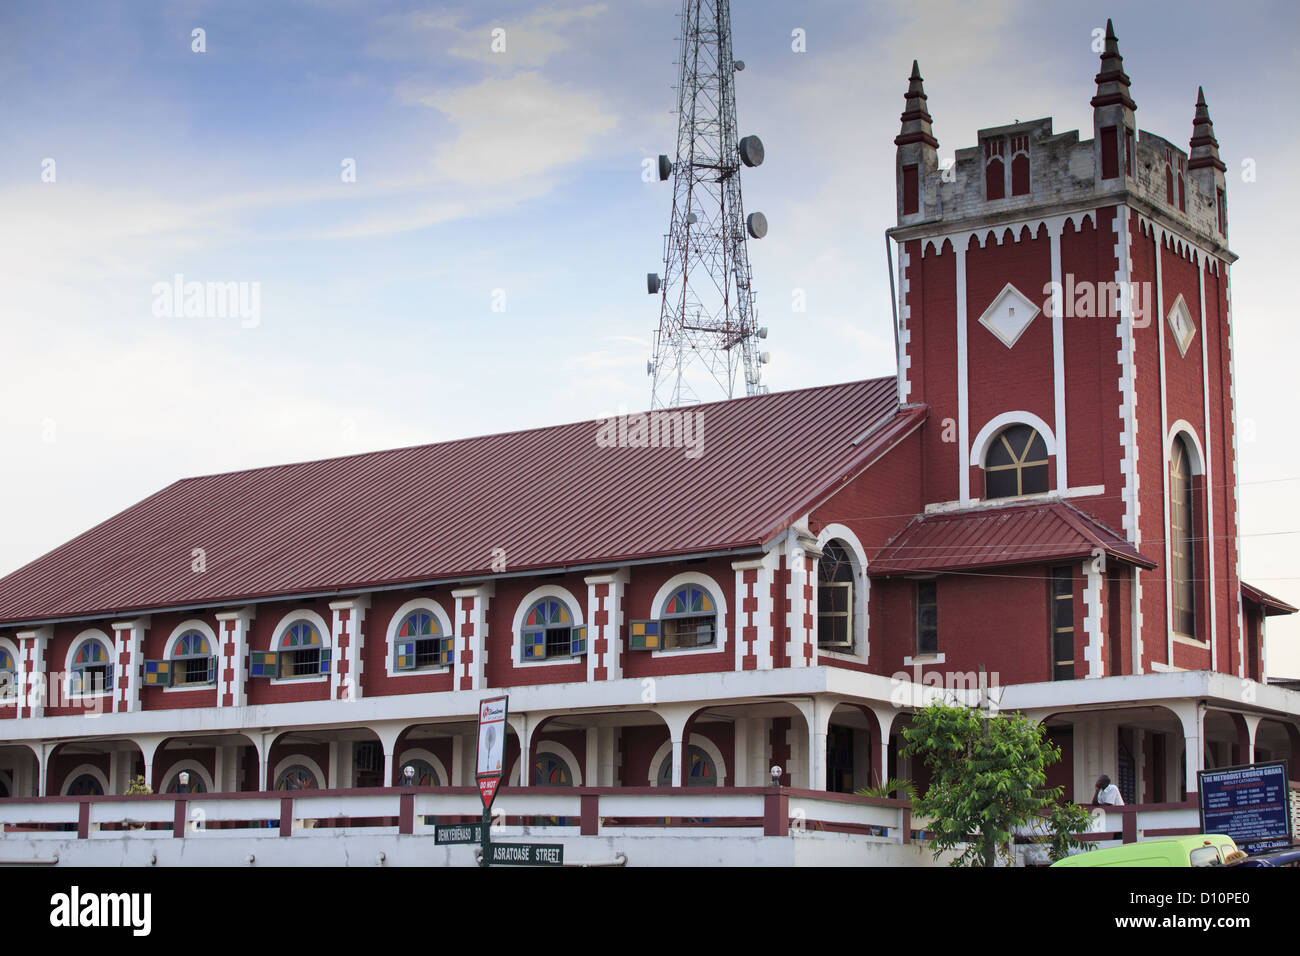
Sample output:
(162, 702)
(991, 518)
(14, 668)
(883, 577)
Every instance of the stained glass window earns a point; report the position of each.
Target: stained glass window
(91, 652)
(196, 784)
(300, 634)
(86, 785)
(700, 769)
(302, 652)
(425, 775)
(690, 618)
(8, 685)
(549, 632)
(296, 777)
(92, 671)
(551, 770)
(193, 662)
(421, 643)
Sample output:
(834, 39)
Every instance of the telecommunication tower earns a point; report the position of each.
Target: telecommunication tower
(707, 329)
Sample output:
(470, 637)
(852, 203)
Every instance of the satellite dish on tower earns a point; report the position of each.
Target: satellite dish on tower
(665, 167)
(751, 150)
(652, 282)
(739, 65)
(756, 223)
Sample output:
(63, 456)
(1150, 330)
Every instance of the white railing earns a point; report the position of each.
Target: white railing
(578, 810)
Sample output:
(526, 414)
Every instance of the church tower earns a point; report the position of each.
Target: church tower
(1064, 312)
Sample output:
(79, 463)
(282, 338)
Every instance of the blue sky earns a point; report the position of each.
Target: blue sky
(516, 175)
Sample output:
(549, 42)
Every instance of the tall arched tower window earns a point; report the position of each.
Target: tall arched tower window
(1182, 547)
(834, 597)
(1016, 463)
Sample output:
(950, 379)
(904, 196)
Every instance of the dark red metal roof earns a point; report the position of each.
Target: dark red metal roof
(992, 537)
(550, 497)
(1272, 606)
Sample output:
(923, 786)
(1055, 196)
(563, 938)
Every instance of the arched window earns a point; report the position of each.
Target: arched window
(425, 775)
(1016, 463)
(549, 632)
(195, 785)
(834, 596)
(1182, 544)
(1019, 165)
(193, 660)
(92, 671)
(300, 652)
(296, 777)
(551, 770)
(190, 664)
(8, 677)
(995, 186)
(689, 618)
(700, 771)
(86, 785)
(421, 643)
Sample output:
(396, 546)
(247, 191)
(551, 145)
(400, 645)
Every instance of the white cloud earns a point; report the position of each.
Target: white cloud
(530, 40)
(514, 128)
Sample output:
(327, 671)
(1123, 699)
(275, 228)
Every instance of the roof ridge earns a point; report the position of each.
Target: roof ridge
(899, 533)
(1089, 517)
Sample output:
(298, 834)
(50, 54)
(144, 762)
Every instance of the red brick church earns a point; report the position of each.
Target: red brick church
(1046, 491)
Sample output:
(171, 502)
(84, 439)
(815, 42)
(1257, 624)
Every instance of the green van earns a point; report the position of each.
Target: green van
(1202, 849)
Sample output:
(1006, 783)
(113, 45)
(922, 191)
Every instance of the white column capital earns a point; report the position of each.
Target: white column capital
(359, 603)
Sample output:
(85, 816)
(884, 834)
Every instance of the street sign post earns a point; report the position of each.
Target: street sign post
(490, 761)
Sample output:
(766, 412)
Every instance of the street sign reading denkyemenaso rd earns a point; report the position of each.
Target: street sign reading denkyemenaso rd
(449, 833)
(527, 854)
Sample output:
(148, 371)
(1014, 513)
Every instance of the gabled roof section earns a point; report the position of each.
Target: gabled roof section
(1272, 606)
(995, 537)
(548, 498)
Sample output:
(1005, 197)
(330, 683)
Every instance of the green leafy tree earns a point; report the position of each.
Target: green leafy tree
(1056, 829)
(988, 778)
